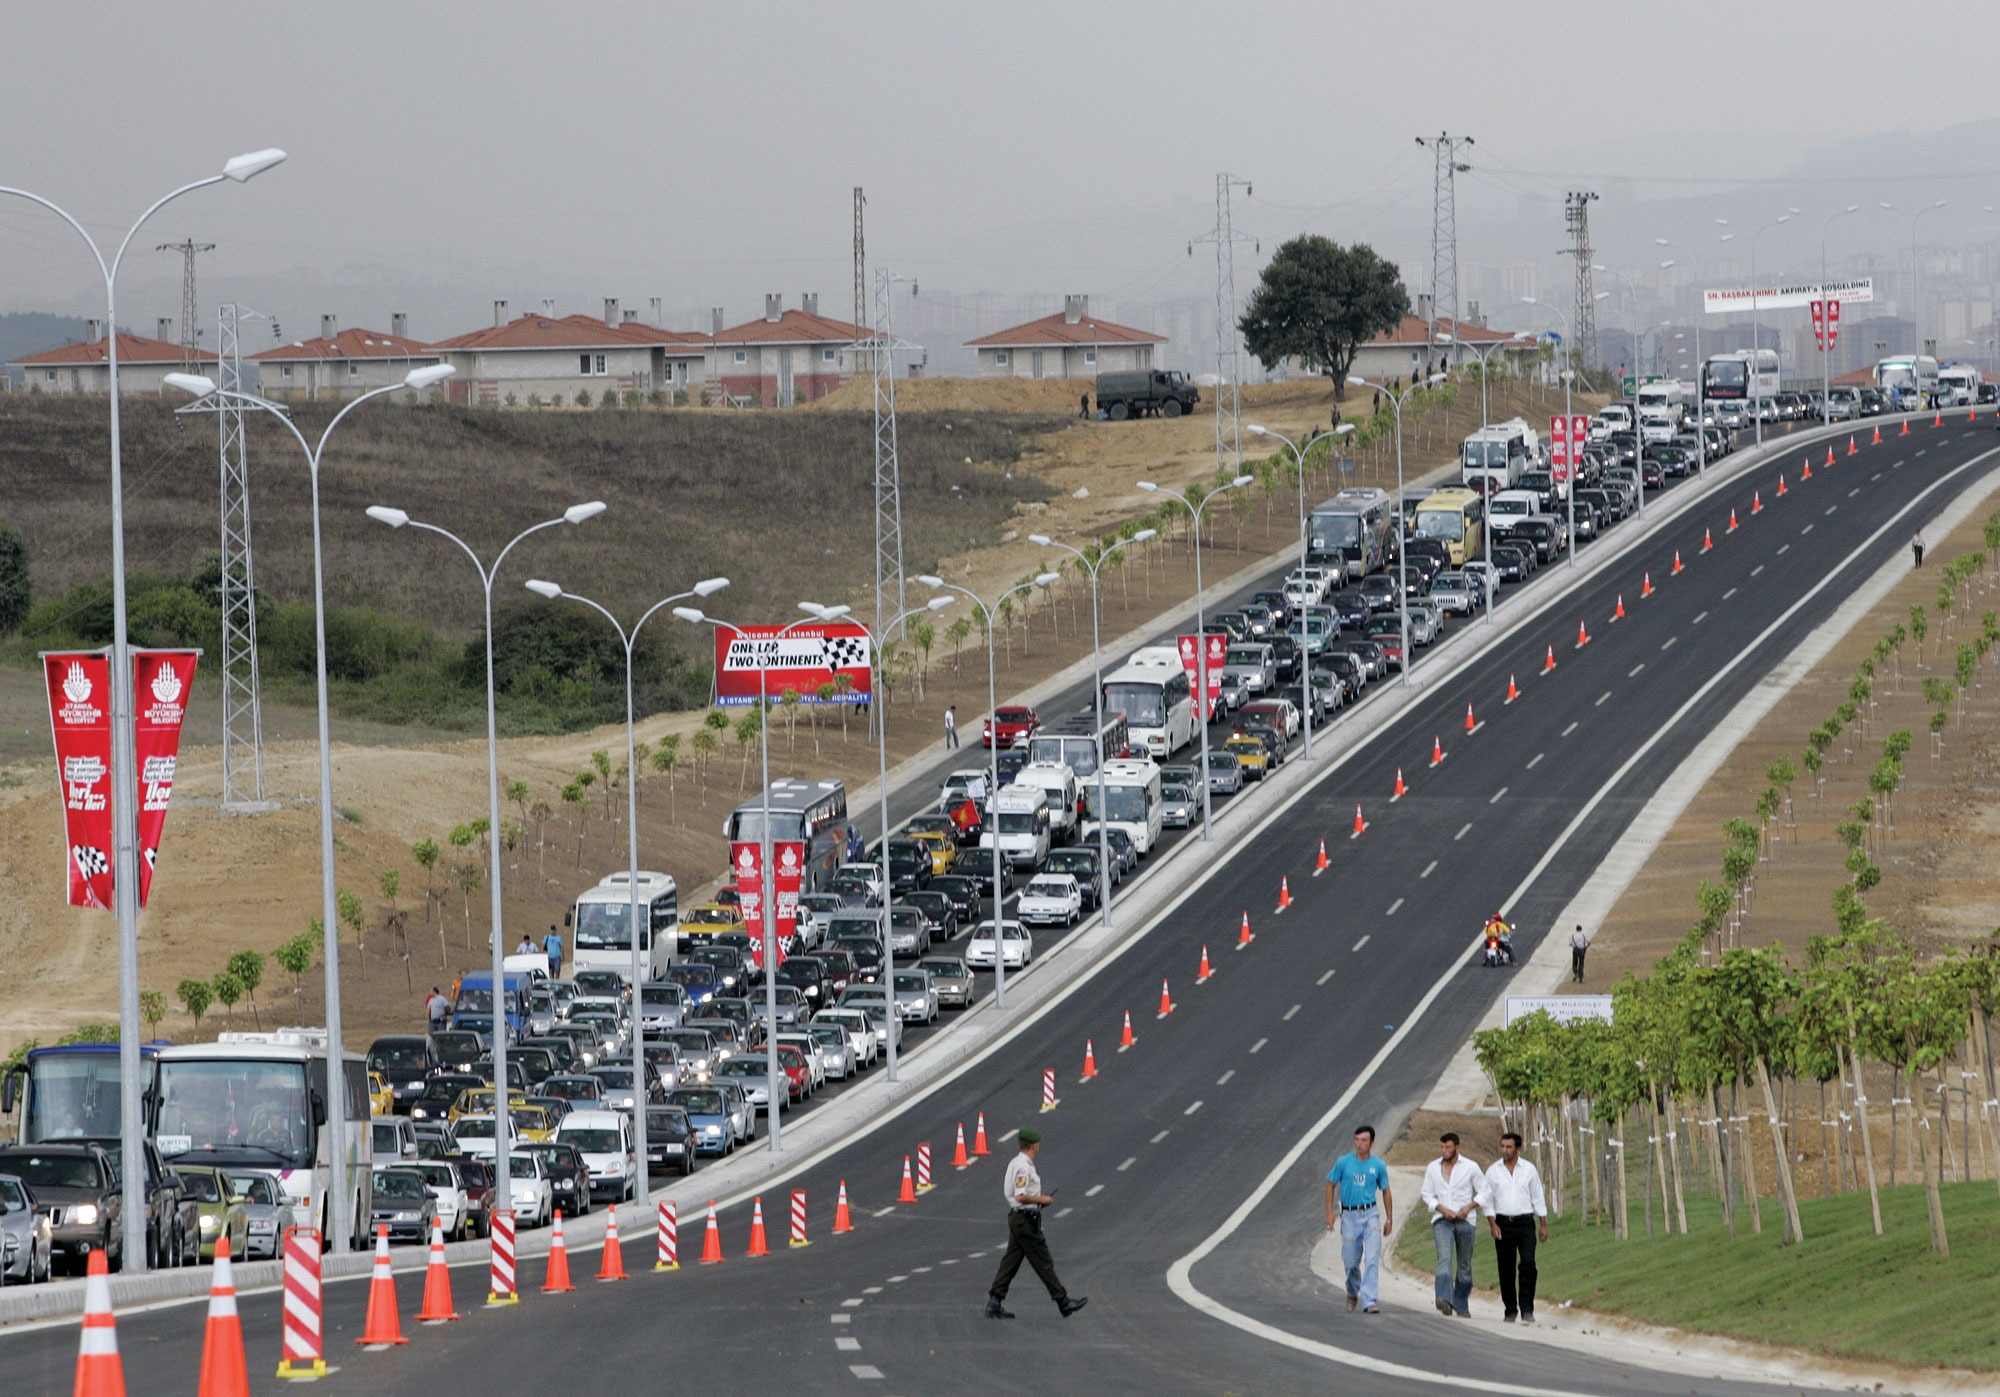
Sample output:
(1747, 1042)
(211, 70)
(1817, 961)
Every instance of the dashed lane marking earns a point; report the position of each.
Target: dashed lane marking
(865, 1370)
(1633, 673)
(1806, 530)
(1128, 1164)
(1699, 618)
(847, 1345)
(1754, 571)
(1855, 491)
(1393, 907)
(1601, 698)
(1429, 868)
(1462, 831)
(1259, 1044)
(1475, 727)
(1064, 1212)
(1093, 1190)
(1831, 508)
(851, 1303)
(841, 1318)
(884, 1212)
(1010, 1135)
(1157, 1138)
(1535, 760)
(1495, 798)
(1291, 1011)
(1784, 550)
(1223, 1080)
(1670, 642)
(1192, 1109)
(1322, 980)
(1362, 942)
(1728, 594)
(919, 1270)
(1876, 476)
(1568, 730)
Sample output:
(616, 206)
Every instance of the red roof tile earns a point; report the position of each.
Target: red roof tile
(132, 349)
(350, 344)
(794, 327)
(1056, 330)
(569, 332)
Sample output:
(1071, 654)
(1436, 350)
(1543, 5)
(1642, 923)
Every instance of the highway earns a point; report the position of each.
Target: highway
(1222, 1113)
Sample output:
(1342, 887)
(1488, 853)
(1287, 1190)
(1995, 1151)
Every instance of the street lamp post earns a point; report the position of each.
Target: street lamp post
(503, 1184)
(1200, 627)
(1487, 588)
(836, 613)
(124, 782)
(1700, 374)
(1826, 354)
(993, 743)
(1916, 304)
(630, 639)
(1396, 401)
(1305, 662)
(1485, 417)
(1638, 440)
(339, 1225)
(1094, 567)
(1756, 410)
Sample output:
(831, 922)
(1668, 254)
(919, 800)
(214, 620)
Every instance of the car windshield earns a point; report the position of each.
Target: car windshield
(1726, 373)
(661, 996)
(400, 1059)
(1049, 887)
(743, 1067)
(941, 967)
(433, 1175)
(525, 1166)
(594, 1141)
(474, 1128)
(614, 1076)
(200, 1186)
(911, 980)
(700, 1103)
(1244, 655)
(261, 1188)
(401, 1185)
(53, 1170)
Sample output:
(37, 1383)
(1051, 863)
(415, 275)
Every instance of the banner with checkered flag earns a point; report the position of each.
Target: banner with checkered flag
(821, 662)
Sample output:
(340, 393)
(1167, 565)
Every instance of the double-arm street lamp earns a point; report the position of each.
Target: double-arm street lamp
(1512, 341)
(1305, 661)
(1638, 438)
(1916, 305)
(1756, 405)
(1700, 371)
(124, 776)
(503, 1187)
(1396, 401)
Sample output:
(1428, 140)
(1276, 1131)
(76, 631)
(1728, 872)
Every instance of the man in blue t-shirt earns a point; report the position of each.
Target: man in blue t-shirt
(1357, 1191)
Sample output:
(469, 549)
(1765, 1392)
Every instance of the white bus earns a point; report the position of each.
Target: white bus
(1131, 803)
(260, 1101)
(1664, 395)
(1746, 376)
(1156, 696)
(1350, 533)
(1501, 453)
(601, 925)
(1909, 379)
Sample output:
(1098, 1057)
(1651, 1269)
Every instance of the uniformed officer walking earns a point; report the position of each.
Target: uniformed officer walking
(1025, 1201)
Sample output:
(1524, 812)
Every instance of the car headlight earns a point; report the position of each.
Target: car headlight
(208, 1222)
(408, 1215)
(711, 1131)
(567, 1185)
(83, 1214)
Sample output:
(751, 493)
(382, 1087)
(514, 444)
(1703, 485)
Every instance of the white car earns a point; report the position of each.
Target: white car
(1050, 899)
(872, 872)
(1306, 586)
(442, 1181)
(860, 1032)
(604, 1139)
(982, 948)
(475, 1132)
(837, 1055)
(534, 1198)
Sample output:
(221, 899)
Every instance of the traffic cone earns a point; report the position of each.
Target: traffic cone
(1677, 569)
(1756, 502)
(1359, 823)
(1878, 435)
(1805, 471)
(1166, 1000)
(1582, 635)
(1646, 586)
(1707, 542)
(1206, 972)
(1126, 1039)
(1318, 868)
(1972, 415)
(1401, 790)
(1732, 521)
(1437, 750)
(757, 1246)
(1938, 421)
(557, 1278)
(1513, 689)
(979, 1131)
(383, 1326)
(99, 1370)
(1549, 664)
(1906, 428)
(1243, 937)
(959, 1158)
(711, 1241)
(1781, 485)
(843, 1221)
(908, 1193)
(1089, 1061)
(1829, 453)
(437, 1282)
(1469, 724)
(1852, 449)
(612, 1266)
(223, 1371)
(1284, 892)
(1619, 613)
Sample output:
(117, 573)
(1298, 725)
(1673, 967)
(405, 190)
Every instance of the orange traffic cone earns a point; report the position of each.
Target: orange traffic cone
(1243, 937)
(1756, 502)
(1582, 635)
(843, 1221)
(223, 1371)
(1732, 521)
(757, 1246)
(959, 1158)
(1878, 435)
(1646, 586)
(1829, 453)
(1619, 613)
(612, 1267)
(1126, 1039)
(1166, 1000)
(1972, 415)
(99, 1370)
(1938, 421)
(1318, 868)
(1781, 485)
(1549, 664)
(1089, 1061)
(437, 1282)
(1707, 542)
(1401, 791)
(557, 1278)
(979, 1131)
(1513, 689)
(383, 1326)
(1906, 428)
(1852, 449)
(1677, 569)
(908, 1192)
(711, 1241)
(1805, 471)
(1437, 751)
(1206, 972)
(1284, 892)
(1359, 823)
(1469, 724)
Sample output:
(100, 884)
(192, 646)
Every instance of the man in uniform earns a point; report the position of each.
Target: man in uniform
(1022, 1186)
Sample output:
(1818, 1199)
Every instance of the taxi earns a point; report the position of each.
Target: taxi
(478, 1101)
(718, 914)
(381, 1100)
(1251, 754)
(943, 851)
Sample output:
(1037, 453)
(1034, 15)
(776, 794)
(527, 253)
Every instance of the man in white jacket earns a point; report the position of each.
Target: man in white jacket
(1454, 1191)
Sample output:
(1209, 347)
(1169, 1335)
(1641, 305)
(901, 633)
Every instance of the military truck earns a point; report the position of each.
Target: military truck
(1146, 392)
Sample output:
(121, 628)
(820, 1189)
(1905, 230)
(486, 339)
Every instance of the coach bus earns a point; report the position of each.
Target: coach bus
(601, 924)
(1454, 517)
(1352, 531)
(67, 1092)
(1156, 696)
(811, 813)
(1075, 740)
(1748, 376)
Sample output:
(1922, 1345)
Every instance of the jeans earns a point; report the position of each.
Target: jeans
(1454, 1283)
(950, 738)
(1514, 1253)
(1361, 1253)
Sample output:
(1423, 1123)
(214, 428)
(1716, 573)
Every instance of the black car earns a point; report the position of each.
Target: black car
(670, 1141)
(561, 1051)
(1010, 763)
(433, 1103)
(939, 912)
(609, 983)
(1350, 607)
(1231, 623)
(1264, 727)
(1609, 504)
(1379, 591)
(867, 954)
(806, 975)
(1124, 853)
(1274, 599)
(404, 1060)
(1429, 552)
(1081, 864)
(1370, 654)
(1515, 561)
(1352, 672)
(73, 1178)
(569, 1176)
(1286, 657)
(910, 866)
(457, 1050)
(963, 890)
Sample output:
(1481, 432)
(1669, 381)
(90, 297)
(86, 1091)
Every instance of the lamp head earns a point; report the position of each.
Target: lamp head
(1344, 428)
(690, 614)
(1357, 380)
(200, 385)
(1727, 238)
(710, 587)
(382, 514)
(1047, 579)
(1666, 264)
(1256, 429)
(1240, 481)
(551, 590)
(577, 513)
(1529, 301)
(1145, 534)
(930, 581)
(429, 376)
(1040, 540)
(249, 166)
(1148, 486)
(939, 603)
(1442, 339)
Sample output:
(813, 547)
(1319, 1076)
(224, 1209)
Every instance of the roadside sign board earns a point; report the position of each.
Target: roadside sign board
(1566, 438)
(1563, 1008)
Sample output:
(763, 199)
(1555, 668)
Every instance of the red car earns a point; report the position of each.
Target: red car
(1390, 638)
(798, 1075)
(1013, 726)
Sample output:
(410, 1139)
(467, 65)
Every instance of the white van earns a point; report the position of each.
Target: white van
(1662, 395)
(1019, 824)
(1509, 507)
(1058, 785)
(1131, 803)
(1500, 453)
(1613, 417)
(604, 1139)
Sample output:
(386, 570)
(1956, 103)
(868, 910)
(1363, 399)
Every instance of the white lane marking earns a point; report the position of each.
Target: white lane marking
(1568, 730)
(1754, 571)
(1192, 1109)
(1064, 1212)
(1179, 1275)
(1601, 699)
(1163, 1134)
(1920, 451)
(865, 1370)
(847, 1345)
(1093, 1190)
(1855, 491)
(1324, 978)
(884, 1212)
(1291, 1011)
(1876, 476)
(1429, 869)
(1392, 907)
(1700, 618)
(1010, 1135)
(1463, 829)
(1362, 942)
(919, 1270)
(1258, 1045)
(949, 1261)
(1128, 1164)
(857, 1300)
(1633, 673)
(1223, 1080)
(1533, 762)
(1475, 727)
(1728, 594)
(1831, 508)
(841, 1318)
(1784, 550)
(1806, 530)
(1670, 642)
(1495, 799)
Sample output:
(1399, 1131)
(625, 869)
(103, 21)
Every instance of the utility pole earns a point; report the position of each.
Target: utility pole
(1444, 230)
(242, 712)
(187, 249)
(1576, 215)
(888, 466)
(1228, 396)
(860, 261)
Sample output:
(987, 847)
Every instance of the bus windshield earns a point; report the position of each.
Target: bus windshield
(747, 825)
(1441, 524)
(1140, 703)
(1124, 804)
(1485, 453)
(607, 926)
(1726, 373)
(264, 1106)
(1343, 530)
(71, 1095)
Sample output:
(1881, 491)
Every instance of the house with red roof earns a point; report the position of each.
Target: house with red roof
(1069, 344)
(86, 368)
(340, 364)
(569, 359)
(1414, 347)
(790, 356)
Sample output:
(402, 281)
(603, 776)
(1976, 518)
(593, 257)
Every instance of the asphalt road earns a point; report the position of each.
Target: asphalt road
(1177, 1133)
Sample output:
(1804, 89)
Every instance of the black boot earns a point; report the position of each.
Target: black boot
(1072, 1305)
(995, 1310)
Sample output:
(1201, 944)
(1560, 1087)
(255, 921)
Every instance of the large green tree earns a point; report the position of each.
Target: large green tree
(1317, 301)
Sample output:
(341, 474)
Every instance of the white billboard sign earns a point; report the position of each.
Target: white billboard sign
(1561, 1007)
(1790, 295)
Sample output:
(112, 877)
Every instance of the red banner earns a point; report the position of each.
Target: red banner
(1826, 323)
(1566, 438)
(802, 659)
(161, 682)
(1218, 650)
(746, 858)
(1832, 323)
(80, 715)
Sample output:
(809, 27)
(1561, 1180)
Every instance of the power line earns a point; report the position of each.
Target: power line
(189, 327)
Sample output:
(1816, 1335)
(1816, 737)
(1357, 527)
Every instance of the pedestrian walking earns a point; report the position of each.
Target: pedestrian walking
(1519, 1217)
(1578, 944)
(436, 1008)
(1083, 407)
(1917, 549)
(1454, 1189)
(552, 947)
(950, 728)
(1025, 1201)
(1358, 1188)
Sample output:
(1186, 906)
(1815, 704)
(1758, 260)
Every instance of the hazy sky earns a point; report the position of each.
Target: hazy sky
(444, 155)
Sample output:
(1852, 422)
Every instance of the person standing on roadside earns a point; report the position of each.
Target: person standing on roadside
(1357, 1193)
(1454, 1189)
(1519, 1217)
(1083, 407)
(436, 1008)
(1578, 944)
(1917, 549)
(552, 947)
(950, 728)
(1025, 1201)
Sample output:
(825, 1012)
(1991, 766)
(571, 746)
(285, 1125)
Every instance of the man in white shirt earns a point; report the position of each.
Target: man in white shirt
(1519, 1217)
(1454, 1189)
(1022, 1186)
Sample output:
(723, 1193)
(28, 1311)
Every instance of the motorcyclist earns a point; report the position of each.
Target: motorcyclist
(1499, 941)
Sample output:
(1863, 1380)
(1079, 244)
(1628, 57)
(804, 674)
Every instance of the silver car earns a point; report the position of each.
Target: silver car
(908, 936)
(1225, 774)
(793, 1008)
(859, 1029)
(269, 1215)
(951, 982)
(1453, 592)
(1177, 806)
(916, 1001)
(1426, 622)
(27, 1237)
(836, 1050)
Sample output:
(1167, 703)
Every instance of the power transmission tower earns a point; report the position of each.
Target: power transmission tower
(860, 261)
(242, 714)
(1576, 215)
(1444, 229)
(189, 324)
(1228, 397)
(882, 344)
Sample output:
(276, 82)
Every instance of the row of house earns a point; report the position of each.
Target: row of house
(786, 357)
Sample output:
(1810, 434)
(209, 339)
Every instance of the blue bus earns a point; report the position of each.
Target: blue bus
(68, 1092)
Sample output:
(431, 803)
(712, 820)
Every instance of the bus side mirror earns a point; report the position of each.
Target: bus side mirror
(9, 1089)
(569, 918)
(318, 1109)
